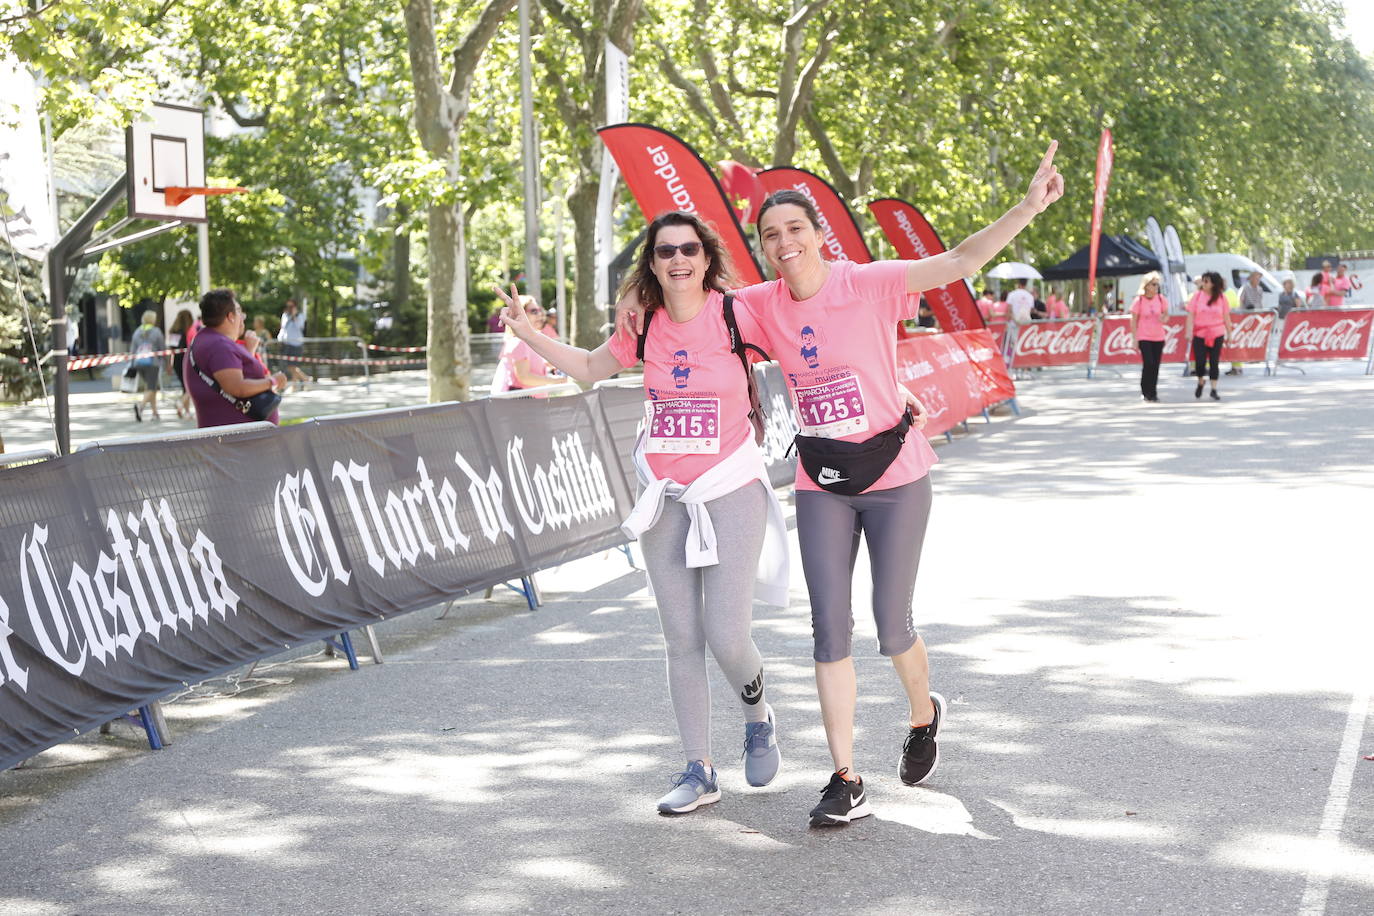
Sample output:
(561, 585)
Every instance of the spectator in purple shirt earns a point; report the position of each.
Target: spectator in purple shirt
(217, 353)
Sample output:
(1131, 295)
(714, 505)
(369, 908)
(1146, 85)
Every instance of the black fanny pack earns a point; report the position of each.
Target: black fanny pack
(849, 468)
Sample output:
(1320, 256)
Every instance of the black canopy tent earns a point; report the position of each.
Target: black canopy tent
(1117, 256)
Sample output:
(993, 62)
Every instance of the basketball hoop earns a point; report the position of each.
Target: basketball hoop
(175, 196)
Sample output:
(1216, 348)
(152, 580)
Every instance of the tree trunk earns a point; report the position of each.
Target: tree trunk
(450, 359)
(588, 314)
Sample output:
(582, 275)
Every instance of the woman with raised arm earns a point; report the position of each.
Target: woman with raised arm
(832, 328)
(708, 522)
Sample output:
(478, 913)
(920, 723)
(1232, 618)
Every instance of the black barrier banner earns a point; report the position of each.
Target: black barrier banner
(128, 571)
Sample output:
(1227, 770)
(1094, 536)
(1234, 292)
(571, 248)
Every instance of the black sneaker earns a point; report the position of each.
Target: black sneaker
(920, 753)
(1197, 392)
(1215, 396)
(842, 801)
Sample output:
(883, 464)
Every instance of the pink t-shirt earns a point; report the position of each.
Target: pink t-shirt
(1058, 307)
(985, 308)
(1341, 287)
(1001, 310)
(1330, 292)
(1149, 313)
(513, 349)
(838, 354)
(697, 396)
(1209, 322)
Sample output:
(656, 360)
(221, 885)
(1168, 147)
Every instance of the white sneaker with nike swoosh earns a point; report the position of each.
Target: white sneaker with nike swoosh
(842, 801)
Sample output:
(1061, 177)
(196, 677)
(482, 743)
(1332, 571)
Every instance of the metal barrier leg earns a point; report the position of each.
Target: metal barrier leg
(987, 417)
(145, 716)
(343, 644)
(347, 641)
(373, 644)
(160, 723)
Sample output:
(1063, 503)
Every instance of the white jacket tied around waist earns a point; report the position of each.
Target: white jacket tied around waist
(741, 467)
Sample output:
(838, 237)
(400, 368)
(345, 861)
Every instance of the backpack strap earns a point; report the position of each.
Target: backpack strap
(740, 349)
(643, 334)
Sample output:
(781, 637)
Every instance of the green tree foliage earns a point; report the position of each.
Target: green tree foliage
(1246, 123)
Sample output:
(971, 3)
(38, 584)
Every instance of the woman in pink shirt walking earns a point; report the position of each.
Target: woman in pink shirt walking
(1148, 312)
(708, 522)
(1209, 324)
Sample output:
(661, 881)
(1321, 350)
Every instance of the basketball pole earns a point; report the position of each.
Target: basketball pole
(203, 255)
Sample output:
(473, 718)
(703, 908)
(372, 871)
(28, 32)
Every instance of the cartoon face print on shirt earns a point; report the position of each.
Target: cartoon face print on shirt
(809, 351)
(681, 371)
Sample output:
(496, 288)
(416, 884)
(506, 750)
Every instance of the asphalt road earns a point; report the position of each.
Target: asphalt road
(1153, 623)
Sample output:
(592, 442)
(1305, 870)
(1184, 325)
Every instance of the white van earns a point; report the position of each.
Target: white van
(1235, 269)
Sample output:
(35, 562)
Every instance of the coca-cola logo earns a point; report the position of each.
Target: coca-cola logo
(1252, 332)
(1071, 337)
(1344, 334)
(1118, 341)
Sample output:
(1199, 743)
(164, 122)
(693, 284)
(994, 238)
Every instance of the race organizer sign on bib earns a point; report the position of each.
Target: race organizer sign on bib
(683, 426)
(831, 405)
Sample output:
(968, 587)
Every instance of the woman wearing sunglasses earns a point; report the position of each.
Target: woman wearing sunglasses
(709, 524)
(1149, 311)
(831, 326)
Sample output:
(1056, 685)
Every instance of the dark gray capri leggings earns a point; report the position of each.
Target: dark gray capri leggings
(893, 522)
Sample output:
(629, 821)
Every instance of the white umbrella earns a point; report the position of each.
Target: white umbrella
(1014, 270)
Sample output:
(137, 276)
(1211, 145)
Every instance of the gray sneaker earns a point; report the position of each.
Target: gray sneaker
(691, 789)
(762, 758)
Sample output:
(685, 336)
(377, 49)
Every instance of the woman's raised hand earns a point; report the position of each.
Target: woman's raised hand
(513, 314)
(629, 314)
(1048, 185)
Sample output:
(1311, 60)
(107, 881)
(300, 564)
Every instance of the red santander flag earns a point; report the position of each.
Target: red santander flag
(664, 173)
(914, 238)
(1104, 177)
(842, 240)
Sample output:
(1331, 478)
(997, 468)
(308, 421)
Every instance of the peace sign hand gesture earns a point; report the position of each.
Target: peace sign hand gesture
(1047, 186)
(513, 314)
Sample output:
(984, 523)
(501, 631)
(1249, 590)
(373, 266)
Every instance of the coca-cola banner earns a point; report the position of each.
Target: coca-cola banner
(914, 238)
(842, 238)
(129, 570)
(1249, 338)
(1116, 346)
(664, 173)
(1064, 342)
(1325, 334)
(955, 376)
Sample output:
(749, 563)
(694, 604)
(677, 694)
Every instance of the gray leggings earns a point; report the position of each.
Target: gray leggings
(711, 606)
(828, 528)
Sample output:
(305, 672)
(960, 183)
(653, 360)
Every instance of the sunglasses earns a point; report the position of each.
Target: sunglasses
(688, 249)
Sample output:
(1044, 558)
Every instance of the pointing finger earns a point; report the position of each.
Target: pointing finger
(1048, 161)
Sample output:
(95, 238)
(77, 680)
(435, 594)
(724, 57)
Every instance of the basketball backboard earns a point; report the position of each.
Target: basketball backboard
(165, 149)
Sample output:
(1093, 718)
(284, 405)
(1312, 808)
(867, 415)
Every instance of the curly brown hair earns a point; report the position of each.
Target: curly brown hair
(719, 268)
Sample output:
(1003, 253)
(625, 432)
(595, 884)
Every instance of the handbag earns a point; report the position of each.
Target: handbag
(257, 407)
(128, 382)
(849, 468)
